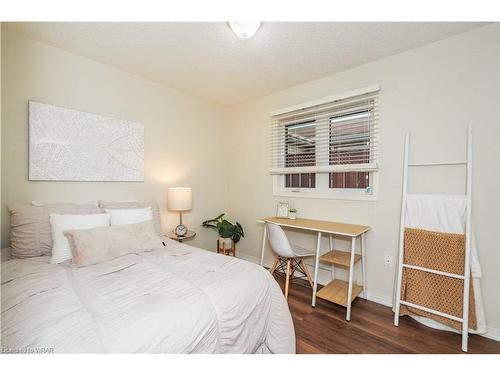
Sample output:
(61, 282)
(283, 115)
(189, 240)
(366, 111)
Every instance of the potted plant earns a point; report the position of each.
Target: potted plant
(229, 233)
(292, 213)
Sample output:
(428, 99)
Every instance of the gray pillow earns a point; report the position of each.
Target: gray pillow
(96, 245)
(124, 205)
(30, 234)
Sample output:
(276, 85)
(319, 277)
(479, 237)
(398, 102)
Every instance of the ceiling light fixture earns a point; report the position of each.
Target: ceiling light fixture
(244, 30)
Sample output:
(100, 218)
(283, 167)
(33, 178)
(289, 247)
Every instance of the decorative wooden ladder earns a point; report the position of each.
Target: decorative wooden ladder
(464, 319)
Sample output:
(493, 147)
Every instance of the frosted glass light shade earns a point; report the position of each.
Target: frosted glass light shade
(244, 30)
(179, 199)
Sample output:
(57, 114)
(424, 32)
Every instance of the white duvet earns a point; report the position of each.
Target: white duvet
(177, 299)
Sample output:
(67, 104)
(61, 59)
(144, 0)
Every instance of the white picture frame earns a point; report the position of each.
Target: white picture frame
(282, 209)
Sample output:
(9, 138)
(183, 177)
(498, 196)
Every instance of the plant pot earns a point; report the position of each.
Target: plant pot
(292, 215)
(227, 243)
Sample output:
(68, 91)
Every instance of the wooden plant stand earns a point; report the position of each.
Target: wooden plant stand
(226, 251)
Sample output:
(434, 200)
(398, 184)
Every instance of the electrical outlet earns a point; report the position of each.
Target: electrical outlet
(388, 260)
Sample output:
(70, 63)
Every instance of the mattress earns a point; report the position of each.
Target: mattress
(175, 299)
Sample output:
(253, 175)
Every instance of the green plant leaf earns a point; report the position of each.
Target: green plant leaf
(208, 225)
(240, 229)
(225, 228)
(219, 217)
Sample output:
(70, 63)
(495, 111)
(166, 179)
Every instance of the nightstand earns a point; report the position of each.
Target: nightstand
(190, 234)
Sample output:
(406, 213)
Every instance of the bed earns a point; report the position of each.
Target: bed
(174, 299)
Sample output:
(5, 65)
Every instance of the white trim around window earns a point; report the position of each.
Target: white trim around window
(279, 190)
(327, 148)
(325, 100)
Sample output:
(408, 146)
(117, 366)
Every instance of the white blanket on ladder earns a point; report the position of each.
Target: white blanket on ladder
(446, 213)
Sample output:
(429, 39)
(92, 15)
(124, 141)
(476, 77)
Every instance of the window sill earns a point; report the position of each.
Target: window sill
(347, 196)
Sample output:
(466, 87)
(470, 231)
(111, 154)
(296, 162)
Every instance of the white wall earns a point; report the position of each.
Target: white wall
(181, 132)
(434, 92)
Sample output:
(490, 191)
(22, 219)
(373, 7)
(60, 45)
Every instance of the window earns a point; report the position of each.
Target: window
(300, 151)
(350, 136)
(327, 148)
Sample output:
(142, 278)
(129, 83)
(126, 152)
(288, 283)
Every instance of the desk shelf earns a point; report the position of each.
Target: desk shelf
(339, 258)
(336, 292)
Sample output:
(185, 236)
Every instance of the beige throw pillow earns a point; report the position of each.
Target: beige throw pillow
(92, 246)
(30, 232)
(59, 223)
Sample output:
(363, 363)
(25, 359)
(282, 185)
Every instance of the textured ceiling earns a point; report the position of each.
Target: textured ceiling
(208, 60)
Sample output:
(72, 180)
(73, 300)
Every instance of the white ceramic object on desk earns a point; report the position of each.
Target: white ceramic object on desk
(292, 215)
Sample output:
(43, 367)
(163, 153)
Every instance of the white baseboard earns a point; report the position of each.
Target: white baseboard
(379, 298)
(492, 333)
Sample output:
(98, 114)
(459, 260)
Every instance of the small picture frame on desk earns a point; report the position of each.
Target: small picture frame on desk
(282, 209)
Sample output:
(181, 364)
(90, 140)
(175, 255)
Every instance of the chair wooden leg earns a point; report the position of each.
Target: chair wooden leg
(287, 278)
(306, 271)
(275, 265)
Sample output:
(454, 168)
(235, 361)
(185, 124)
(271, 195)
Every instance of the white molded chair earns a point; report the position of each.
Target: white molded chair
(290, 257)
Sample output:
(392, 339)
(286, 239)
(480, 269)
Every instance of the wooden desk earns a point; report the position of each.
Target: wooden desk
(337, 291)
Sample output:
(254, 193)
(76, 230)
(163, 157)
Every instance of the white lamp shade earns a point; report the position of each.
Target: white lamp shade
(179, 199)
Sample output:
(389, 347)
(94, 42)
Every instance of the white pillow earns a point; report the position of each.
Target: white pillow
(59, 223)
(125, 216)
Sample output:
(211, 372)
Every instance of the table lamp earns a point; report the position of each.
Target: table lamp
(179, 199)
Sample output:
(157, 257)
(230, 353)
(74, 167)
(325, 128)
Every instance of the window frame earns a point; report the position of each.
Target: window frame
(321, 192)
(288, 135)
(322, 189)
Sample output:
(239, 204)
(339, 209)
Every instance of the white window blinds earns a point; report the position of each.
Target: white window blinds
(338, 134)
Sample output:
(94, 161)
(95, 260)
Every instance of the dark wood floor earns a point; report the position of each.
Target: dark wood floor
(323, 329)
